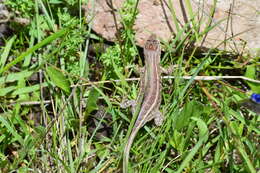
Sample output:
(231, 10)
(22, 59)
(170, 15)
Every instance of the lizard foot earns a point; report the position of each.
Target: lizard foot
(129, 103)
(158, 118)
(169, 70)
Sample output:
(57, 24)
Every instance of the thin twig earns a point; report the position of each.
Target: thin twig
(206, 78)
(26, 103)
(210, 78)
(199, 78)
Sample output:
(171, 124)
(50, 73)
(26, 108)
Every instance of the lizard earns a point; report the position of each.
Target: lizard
(149, 97)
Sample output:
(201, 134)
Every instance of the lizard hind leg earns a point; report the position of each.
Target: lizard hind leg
(129, 103)
(157, 116)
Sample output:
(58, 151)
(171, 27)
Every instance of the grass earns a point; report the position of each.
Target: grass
(59, 101)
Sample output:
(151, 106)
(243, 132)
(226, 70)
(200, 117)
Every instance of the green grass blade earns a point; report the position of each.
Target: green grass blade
(6, 51)
(28, 89)
(34, 48)
(12, 130)
(6, 90)
(58, 79)
(191, 154)
(15, 76)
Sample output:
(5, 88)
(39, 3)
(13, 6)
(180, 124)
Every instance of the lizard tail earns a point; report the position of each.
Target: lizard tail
(127, 151)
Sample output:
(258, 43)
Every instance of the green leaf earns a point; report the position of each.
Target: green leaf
(58, 79)
(4, 91)
(186, 161)
(251, 73)
(177, 141)
(202, 127)
(10, 127)
(92, 101)
(6, 51)
(55, 2)
(190, 109)
(15, 76)
(217, 155)
(238, 128)
(28, 89)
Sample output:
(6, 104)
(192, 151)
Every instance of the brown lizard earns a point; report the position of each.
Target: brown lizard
(149, 98)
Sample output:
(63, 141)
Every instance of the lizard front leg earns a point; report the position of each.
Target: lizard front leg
(133, 103)
(129, 103)
(168, 70)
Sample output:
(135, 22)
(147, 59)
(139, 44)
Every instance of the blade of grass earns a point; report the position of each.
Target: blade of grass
(44, 42)
(12, 130)
(6, 51)
(174, 17)
(15, 76)
(191, 154)
(29, 89)
(49, 18)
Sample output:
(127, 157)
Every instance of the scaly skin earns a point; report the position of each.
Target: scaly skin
(150, 91)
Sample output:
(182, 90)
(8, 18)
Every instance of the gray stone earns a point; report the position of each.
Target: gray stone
(237, 21)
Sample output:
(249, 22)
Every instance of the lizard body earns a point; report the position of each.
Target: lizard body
(150, 91)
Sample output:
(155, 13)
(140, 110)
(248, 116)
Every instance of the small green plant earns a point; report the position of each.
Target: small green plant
(112, 61)
(25, 8)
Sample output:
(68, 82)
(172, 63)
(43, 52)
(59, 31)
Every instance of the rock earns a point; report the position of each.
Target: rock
(4, 13)
(5, 31)
(237, 23)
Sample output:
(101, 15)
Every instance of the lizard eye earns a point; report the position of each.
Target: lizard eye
(152, 46)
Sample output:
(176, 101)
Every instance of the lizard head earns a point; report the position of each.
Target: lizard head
(152, 43)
